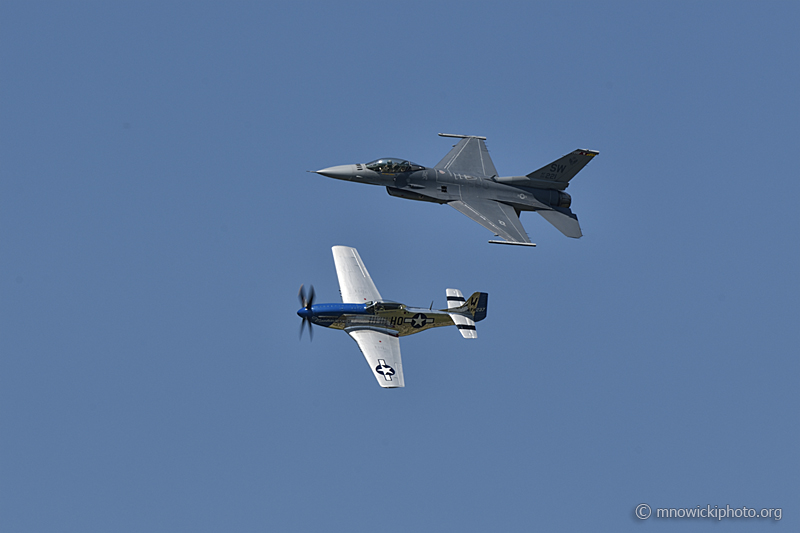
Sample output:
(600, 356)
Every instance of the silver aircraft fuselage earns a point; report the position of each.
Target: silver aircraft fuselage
(442, 186)
(395, 318)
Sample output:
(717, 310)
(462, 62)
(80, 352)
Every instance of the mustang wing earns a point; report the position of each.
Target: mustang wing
(469, 156)
(382, 352)
(354, 282)
(497, 217)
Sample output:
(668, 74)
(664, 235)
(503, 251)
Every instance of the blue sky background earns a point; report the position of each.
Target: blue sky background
(156, 221)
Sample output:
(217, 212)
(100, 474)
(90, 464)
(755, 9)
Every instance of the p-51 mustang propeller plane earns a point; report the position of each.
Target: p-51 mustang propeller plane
(467, 180)
(377, 324)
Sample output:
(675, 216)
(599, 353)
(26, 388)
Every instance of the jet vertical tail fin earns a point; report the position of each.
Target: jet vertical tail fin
(557, 174)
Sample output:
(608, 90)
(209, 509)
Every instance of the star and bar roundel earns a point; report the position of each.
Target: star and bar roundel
(384, 370)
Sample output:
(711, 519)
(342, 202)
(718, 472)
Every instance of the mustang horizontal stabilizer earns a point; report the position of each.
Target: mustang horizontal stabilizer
(564, 220)
(465, 325)
(382, 352)
(469, 156)
(497, 217)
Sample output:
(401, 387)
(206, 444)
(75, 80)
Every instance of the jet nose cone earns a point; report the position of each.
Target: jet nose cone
(341, 172)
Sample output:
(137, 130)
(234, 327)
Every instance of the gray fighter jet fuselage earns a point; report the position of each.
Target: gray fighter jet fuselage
(467, 180)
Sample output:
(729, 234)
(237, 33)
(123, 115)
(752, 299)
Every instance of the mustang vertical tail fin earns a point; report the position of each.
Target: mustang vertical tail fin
(466, 312)
(477, 305)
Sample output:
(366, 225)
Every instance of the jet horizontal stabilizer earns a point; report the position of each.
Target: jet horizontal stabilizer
(564, 221)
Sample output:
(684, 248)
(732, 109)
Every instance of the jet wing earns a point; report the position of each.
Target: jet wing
(499, 218)
(382, 352)
(355, 284)
(469, 156)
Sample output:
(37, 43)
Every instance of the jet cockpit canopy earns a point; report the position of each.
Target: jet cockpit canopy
(388, 165)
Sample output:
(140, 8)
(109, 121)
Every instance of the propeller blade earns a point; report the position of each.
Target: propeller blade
(307, 303)
(310, 329)
(301, 295)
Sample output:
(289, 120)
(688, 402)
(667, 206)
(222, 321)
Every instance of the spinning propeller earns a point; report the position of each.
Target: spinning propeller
(306, 303)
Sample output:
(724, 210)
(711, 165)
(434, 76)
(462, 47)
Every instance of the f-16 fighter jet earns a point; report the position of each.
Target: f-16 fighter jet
(467, 180)
(377, 324)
